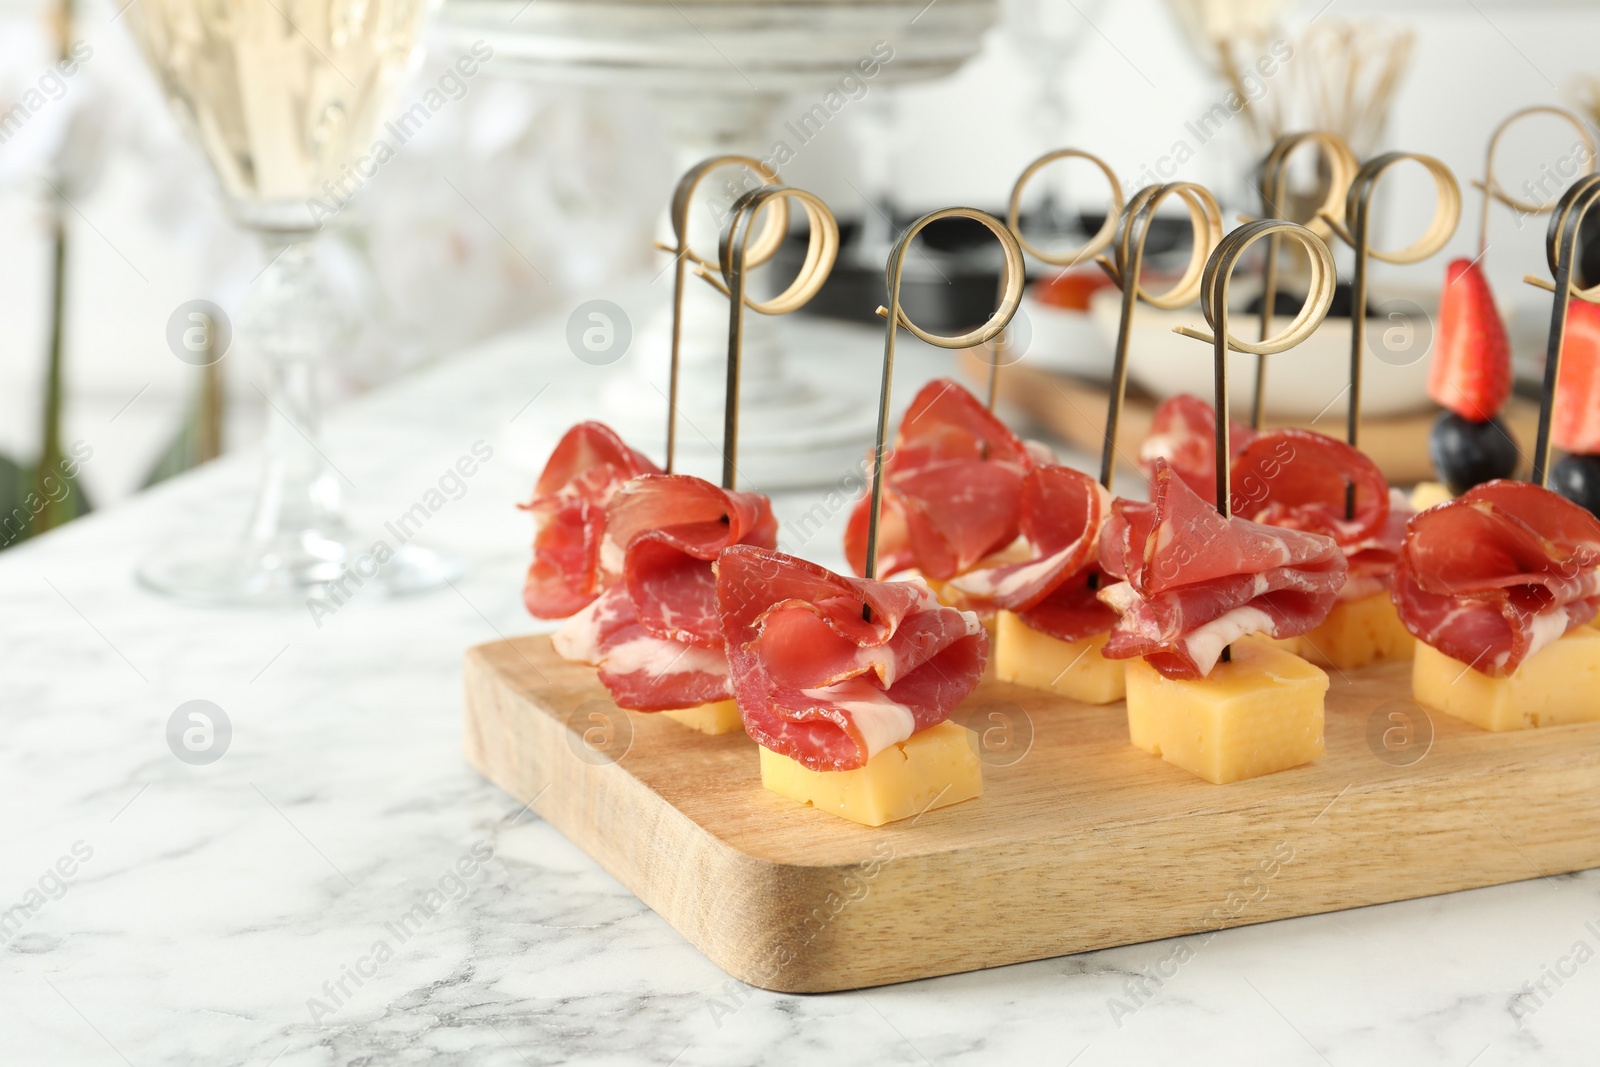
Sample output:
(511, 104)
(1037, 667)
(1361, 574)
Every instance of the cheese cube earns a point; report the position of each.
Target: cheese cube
(1258, 714)
(1558, 684)
(1074, 669)
(721, 717)
(1426, 494)
(933, 768)
(1355, 633)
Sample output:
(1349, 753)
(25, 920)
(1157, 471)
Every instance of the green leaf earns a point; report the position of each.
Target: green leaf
(16, 482)
(199, 436)
(181, 454)
(25, 511)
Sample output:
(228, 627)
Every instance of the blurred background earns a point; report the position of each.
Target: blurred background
(541, 180)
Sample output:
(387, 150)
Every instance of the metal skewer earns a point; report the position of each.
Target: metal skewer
(736, 257)
(765, 248)
(1561, 251)
(1065, 260)
(1010, 298)
(1342, 166)
(1205, 219)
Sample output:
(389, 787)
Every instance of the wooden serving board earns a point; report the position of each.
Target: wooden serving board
(1075, 410)
(1079, 842)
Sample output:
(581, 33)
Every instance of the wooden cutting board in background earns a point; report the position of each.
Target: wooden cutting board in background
(1075, 411)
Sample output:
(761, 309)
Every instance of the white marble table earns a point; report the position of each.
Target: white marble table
(207, 905)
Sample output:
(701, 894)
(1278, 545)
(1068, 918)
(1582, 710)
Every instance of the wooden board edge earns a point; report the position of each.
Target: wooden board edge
(805, 929)
(725, 902)
(1408, 838)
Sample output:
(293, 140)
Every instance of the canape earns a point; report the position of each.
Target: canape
(847, 684)
(1497, 586)
(1050, 624)
(951, 492)
(1191, 587)
(1309, 481)
(624, 553)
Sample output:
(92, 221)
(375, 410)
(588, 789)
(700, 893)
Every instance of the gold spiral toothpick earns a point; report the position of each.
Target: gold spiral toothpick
(1342, 165)
(1491, 187)
(736, 256)
(1083, 253)
(1205, 220)
(1010, 299)
(1214, 305)
(765, 248)
(1561, 253)
(1355, 230)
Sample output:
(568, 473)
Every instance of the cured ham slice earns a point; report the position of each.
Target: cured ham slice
(655, 635)
(950, 491)
(1062, 512)
(1373, 560)
(640, 670)
(1192, 582)
(817, 682)
(1183, 432)
(1302, 480)
(588, 464)
(1500, 572)
(671, 527)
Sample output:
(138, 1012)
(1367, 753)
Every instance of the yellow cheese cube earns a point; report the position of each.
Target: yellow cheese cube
(1074, 669)
(721, 717)
(1258, 714)
(933, 768)
(947, 596)
(1559, 684)
(1355, 633)
(1426, 494)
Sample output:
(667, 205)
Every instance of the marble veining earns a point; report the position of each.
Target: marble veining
(233, 913)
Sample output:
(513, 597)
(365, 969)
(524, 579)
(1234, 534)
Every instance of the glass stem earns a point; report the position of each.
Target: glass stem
(291, 323)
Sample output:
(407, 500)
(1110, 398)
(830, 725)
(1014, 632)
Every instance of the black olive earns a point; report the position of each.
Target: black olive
(1468, 453)
(1578, 479)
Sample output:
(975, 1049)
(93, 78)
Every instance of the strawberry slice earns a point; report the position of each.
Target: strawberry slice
(1471, 372)
(1575, 426)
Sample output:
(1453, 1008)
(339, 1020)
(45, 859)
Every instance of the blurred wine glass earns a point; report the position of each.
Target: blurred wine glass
(286, 98)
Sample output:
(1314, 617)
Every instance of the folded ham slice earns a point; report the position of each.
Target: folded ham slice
(1500, 572)
(655, 635)
(1062, 512)
(1183, 431)
(950, 491)
(1192, 581)
(1300, 480)
(818, 683)
(640, 670)
(672, 526)
(588, 464)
